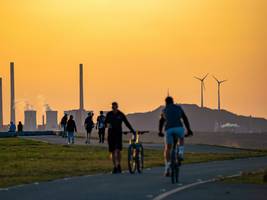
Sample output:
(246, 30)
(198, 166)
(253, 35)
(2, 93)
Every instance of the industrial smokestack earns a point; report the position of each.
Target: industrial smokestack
(1, 104)
(12, 85)
(81, 88)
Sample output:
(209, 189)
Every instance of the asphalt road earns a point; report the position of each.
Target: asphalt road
(222, 191)
(148, 185)
(188, 148)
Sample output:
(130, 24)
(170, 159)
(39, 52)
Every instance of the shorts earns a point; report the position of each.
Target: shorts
(176, 131)
(114, 141)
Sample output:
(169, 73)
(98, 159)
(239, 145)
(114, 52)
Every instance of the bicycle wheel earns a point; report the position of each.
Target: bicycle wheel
(177, 172)
(173, 167)
(132, 159)
(140, 159)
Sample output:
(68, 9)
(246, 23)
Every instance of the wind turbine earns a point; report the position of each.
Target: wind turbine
(202, 80)
(219, 91)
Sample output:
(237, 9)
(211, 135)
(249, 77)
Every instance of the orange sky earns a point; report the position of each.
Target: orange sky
(133, 51)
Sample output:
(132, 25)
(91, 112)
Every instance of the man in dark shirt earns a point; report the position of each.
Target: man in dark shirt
(172, 118)
(20, 127)
(63, 124)
(71, 129)
(100, 125)
(113, 122)
(89, 125)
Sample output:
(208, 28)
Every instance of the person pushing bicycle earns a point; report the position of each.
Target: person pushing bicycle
(113, 122)
(171, 119)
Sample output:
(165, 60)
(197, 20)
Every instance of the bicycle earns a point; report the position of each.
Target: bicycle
(136, 153)
(176, 160)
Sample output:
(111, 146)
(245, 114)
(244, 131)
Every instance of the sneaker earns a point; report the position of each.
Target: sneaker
(119, 169)
(115, 170)
(167, 174)
(181, 157)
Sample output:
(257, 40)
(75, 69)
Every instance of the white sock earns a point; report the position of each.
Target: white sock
(167, 166)
(181, 151)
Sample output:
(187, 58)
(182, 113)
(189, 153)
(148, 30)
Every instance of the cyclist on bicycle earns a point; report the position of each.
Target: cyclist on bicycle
(113, 122)
(171, 118)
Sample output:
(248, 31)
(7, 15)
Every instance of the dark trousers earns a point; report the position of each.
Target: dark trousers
(101, 133)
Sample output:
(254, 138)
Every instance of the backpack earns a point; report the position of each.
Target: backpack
(101, 122)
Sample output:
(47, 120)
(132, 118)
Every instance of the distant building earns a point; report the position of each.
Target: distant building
(30, 122)
(79, 114)
(51, 120)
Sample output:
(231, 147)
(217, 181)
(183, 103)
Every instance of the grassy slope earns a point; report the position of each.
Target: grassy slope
(25, 161)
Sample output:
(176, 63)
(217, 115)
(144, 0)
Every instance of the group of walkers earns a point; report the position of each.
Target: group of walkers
(173, 118)
(69, 127)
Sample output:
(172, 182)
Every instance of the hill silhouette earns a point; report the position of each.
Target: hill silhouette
(203, 120)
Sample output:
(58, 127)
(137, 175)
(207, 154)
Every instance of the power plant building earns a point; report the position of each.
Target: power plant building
(51, 120)
(30, 122)
(79, 114)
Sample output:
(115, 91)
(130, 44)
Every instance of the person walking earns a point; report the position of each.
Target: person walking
(89, 125)
(100, 125)
(12, 128)
(63, 124)
(71, 129)
(113, 122)
(20, 128)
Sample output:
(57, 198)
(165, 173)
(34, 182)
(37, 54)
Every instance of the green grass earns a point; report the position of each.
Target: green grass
(25, 161)
(258, 177)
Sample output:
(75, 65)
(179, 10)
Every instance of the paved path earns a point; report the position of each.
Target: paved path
(146, 186)
(189, 148)
(222, 191)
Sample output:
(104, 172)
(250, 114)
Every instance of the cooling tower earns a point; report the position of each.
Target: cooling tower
(30, 123)
(51, 120)
(12, 92)
(1, 105)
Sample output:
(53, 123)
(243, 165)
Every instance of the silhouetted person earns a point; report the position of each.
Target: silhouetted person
(63, 124)
(172, 117)
(12, 128)
(20, 128)
(113, 122)
(100, 125)
(89, 125)
(71, 129)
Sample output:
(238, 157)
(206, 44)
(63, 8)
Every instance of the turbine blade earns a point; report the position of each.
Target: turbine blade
(205, 76)
(216, 79)
(197, 78)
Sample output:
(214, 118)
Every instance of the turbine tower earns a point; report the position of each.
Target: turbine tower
(202, 87)
(219, 91)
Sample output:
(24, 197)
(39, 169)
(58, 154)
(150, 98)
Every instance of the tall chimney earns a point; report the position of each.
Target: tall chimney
(81, 87)
(12, 85)
(1, 104)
